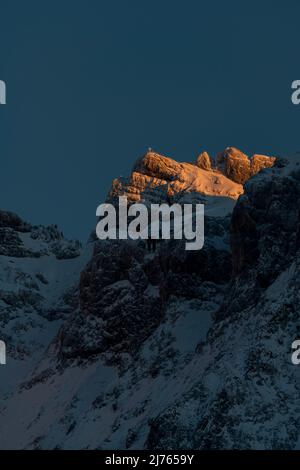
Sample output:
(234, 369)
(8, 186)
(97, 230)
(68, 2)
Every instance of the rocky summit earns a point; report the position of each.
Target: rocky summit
(111, 346)
(155, 177)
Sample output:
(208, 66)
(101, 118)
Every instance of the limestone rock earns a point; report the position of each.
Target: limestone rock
(204, 161)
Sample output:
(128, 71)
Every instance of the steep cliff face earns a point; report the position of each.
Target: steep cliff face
(124, 290)
(169, 349)
(247, 396)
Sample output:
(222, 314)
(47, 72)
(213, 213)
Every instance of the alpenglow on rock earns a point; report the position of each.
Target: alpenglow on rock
(157, 178)
(204, 161)
(238, 167)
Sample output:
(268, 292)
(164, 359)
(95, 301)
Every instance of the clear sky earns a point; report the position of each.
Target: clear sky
(92, 84)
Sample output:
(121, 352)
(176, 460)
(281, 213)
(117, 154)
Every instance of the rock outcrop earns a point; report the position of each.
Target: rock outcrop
(204, 161)
(17, 239)
(157, 178)
(238, 167)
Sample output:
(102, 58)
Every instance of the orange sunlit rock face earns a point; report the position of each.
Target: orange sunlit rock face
(157, 178)
(237, 166)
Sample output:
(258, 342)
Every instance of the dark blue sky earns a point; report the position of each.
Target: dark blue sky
(91, 84)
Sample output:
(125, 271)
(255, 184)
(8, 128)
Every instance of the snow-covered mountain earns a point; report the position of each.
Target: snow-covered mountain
(110, 346)
(39, 271)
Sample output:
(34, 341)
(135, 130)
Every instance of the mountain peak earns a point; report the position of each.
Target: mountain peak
(156, 177)
(238, 167)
